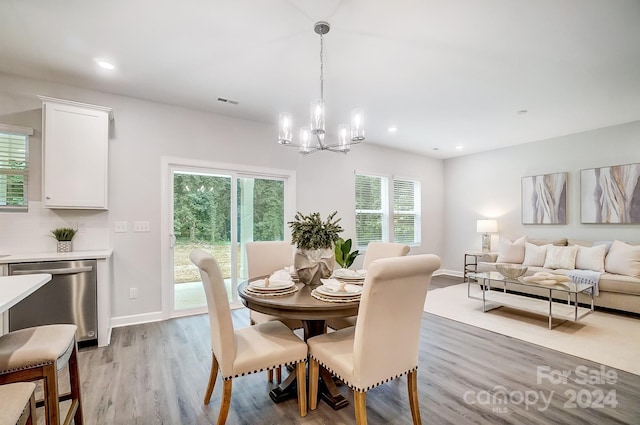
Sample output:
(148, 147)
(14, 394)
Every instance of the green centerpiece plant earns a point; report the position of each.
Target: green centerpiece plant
(344, 256)
(315, 240)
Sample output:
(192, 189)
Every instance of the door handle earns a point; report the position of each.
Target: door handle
(172, 240)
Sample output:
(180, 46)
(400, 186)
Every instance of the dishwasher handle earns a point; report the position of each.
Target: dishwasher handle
(67, 270)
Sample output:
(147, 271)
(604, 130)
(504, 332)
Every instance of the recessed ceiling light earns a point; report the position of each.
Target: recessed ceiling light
(459, 147)
(105, 64)
(522, 111)
(392, 129)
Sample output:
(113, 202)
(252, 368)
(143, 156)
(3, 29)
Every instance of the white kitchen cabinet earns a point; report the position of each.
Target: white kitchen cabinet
(75, 150)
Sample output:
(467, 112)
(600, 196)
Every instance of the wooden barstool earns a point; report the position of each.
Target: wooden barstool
(38, 353)
(18, 404)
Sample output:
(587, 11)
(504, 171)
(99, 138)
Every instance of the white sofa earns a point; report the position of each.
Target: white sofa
(618, 263)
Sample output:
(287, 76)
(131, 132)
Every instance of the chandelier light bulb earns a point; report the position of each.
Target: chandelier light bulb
(284, 137)
(305, 139)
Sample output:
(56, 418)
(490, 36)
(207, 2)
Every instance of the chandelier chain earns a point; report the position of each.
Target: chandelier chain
(321, 68)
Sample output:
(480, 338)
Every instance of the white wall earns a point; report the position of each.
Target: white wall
(488, 185)
(143, 132)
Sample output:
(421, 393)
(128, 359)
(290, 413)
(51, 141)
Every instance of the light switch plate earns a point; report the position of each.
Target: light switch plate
(140, 226)
(121, 227)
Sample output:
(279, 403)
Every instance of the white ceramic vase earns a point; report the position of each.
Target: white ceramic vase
(314, 264)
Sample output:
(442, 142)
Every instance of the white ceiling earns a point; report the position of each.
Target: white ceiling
(445, 72)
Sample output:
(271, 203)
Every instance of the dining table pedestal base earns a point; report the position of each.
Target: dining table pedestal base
(327, 389)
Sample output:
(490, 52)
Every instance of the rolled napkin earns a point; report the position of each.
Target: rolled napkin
(335, 285)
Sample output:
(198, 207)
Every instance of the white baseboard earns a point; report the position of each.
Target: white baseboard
(136, 319)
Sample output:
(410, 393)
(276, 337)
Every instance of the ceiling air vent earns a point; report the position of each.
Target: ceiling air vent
(223, 100)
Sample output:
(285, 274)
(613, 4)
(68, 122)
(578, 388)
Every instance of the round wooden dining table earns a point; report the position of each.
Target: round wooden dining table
(313, 313)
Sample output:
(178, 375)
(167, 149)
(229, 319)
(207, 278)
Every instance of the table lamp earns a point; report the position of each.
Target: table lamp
(485, 227)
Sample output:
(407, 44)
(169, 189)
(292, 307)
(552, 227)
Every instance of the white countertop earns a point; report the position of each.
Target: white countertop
(55, 256)
(14, 289)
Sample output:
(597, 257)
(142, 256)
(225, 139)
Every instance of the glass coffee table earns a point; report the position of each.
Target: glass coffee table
(494, 294)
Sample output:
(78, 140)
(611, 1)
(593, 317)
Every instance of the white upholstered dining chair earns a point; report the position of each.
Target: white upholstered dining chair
(384, 343)
(243, 351)
(375, 251)
(263, 258)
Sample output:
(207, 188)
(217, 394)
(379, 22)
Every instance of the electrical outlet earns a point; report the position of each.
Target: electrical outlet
(140, 226)
(133, 293)
(121, 227)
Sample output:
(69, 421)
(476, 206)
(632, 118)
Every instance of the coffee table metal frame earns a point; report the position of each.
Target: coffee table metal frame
(489, 283)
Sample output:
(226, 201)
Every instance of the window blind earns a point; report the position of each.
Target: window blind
(14, 172)
(370, 209)
(406, 211)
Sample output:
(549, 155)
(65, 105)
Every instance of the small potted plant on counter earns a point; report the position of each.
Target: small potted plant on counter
(64, 235)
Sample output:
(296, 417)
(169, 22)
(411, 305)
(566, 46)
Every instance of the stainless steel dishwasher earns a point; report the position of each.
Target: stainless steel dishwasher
(70, 297)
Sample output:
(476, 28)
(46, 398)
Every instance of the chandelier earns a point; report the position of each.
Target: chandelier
(347, 135)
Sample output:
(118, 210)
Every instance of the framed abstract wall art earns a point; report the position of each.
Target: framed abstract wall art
(544, 199)
(610, 194)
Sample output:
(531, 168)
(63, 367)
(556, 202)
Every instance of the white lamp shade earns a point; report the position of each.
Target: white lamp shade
(487, 226)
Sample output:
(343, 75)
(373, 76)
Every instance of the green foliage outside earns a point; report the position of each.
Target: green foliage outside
(202, 217)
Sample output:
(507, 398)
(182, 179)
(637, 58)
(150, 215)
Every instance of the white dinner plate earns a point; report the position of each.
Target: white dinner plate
(273, 285)
(350, 291)
(349, 274)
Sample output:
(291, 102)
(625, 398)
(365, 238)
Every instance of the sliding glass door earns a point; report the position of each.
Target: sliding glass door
(219, 211)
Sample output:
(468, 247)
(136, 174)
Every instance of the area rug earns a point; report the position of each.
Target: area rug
(604, 338)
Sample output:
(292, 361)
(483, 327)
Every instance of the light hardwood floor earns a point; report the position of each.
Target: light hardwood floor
(157, 374)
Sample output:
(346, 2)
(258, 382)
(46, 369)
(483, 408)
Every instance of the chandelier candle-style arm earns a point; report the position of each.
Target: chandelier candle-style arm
(347, 135)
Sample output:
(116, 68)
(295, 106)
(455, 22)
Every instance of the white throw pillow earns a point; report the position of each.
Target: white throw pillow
(623, 259)
(535, 255)
(561, 257)
(511, 252)
(591, 258)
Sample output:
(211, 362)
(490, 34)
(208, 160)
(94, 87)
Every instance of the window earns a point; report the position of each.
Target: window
(374, 222)
(14, 162)
(406, 211)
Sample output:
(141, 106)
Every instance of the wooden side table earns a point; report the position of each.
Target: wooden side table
(471, 262)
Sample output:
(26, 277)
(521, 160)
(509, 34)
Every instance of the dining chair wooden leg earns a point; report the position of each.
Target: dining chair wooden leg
(226, 402)
(314, 371)
(32, 419)
(360, 398)
(301, 377)
(74, 380)
(270, 375)
(414, 403)
(279, 375)
(212, 379)
(50, 388)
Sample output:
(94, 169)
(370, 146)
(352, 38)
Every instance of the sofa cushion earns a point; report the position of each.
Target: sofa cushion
(534, 255)
(511, 251)
(619, 283)
(591, 258)
(561, 257)
(623, 259)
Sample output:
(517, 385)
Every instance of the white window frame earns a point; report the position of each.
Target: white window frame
(25, 132)
(384, 209)
(416, 212)
(387, 207)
